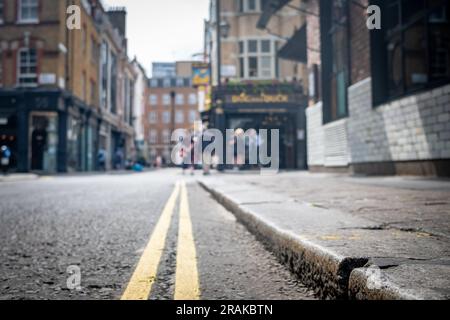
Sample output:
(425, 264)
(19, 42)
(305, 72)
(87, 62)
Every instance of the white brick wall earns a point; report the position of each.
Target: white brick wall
(413, 128)
(336, 144)
(315, 135)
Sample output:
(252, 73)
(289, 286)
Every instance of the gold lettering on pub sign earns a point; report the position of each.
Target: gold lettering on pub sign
(263, 98)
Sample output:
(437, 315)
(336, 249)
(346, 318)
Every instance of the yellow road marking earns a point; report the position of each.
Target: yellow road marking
(144, 275)
(186, 282)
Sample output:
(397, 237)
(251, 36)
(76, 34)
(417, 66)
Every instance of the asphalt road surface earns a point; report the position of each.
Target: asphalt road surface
(155, 235)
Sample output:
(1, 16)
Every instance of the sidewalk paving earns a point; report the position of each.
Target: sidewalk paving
(364, 238)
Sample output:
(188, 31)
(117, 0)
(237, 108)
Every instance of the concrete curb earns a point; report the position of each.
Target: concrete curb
(18, 177)
(332, 276)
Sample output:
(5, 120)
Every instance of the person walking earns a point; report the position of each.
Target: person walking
(5, 159)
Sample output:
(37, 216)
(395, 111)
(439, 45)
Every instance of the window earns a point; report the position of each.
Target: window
(153, 137)
(104, 55)
(28, 11)
(166, 117)
(179, 117)
(192, 99)
(2, 8)
(192, 116)
(257, 59)
(153, 99)
(1, 67)
(166, 136)
(180, 82)
(166, 99)
(179, 99)
(113, 83)
(251, 5)
(93, 92)
(167, 83)
(153, 117)
(95, 52)
(416, 46)
(27, 68)
(335, 64)
(154, 83)
(83, 86)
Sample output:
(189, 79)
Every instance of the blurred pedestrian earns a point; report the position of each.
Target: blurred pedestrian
(101, 160)
(5, 159)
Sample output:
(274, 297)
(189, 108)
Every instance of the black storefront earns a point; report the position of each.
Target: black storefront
(264, 106)
(47, 130)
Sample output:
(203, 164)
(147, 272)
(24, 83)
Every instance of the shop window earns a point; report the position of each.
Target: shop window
(28, 11)
(27, 67)
(412, 50)
(336, 60)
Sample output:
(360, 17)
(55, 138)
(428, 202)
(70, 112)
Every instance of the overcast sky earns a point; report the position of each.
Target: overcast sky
(164, 30)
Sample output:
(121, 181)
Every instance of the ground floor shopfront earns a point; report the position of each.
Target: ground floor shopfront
(51, 132)
(271, 111)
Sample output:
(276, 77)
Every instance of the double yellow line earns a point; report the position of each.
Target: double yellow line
(186, 283)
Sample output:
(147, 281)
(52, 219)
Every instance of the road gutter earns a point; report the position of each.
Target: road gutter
(330, 275)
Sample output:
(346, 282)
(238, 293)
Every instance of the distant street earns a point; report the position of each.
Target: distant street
(102, 224)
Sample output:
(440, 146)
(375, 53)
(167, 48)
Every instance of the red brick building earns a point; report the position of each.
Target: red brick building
(172, 103)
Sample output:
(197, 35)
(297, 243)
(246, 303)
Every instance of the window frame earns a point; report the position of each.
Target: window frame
(166, 117)
(245, 55)
(27, 75)
(166, 99)
(21, 19)
(153, 117)
(193, 99)
(382, 91)
(179, 99)
(153, 99)
(330, 74)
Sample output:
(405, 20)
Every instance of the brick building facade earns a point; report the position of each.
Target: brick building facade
(379, 99)
(172, 103)
(50, 85)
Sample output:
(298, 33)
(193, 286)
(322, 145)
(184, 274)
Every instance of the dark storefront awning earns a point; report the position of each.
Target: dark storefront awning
(271, 7)
(296, 48)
